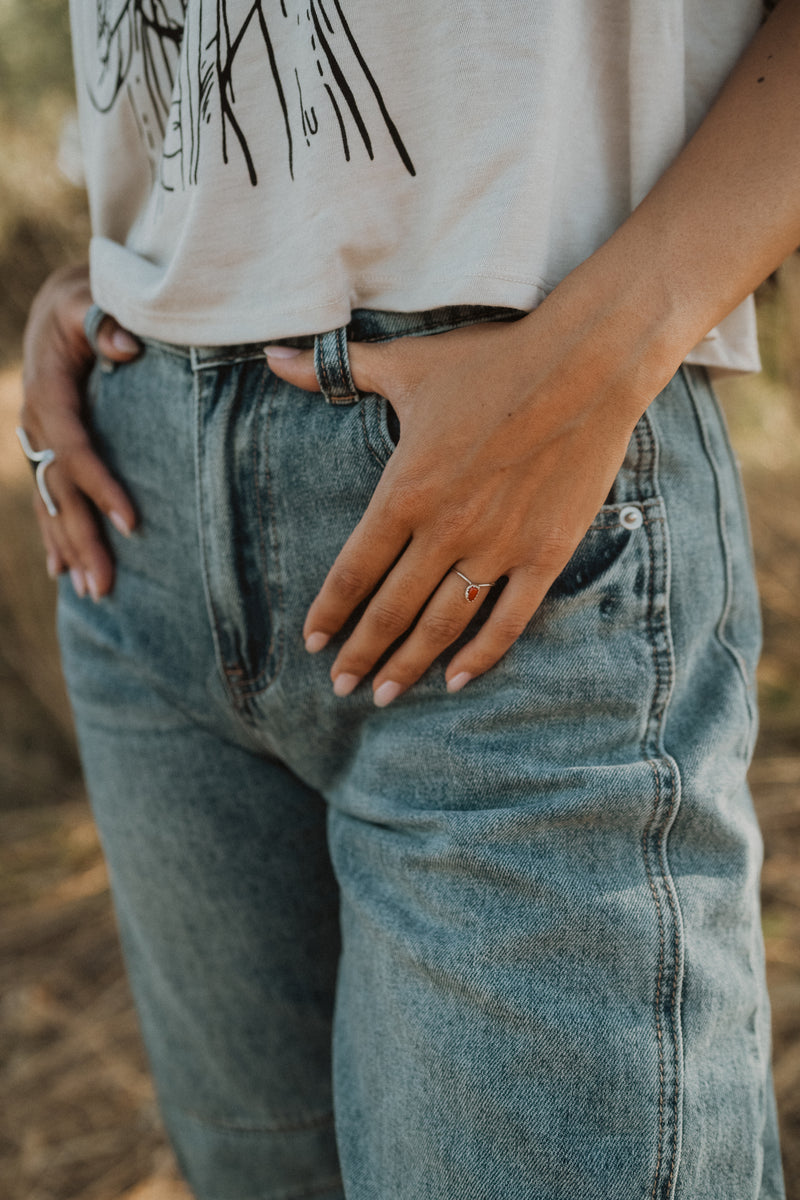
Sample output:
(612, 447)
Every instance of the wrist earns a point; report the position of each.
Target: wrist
(621, 328)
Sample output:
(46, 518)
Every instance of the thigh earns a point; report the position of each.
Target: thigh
(551, 979)
(226, 902)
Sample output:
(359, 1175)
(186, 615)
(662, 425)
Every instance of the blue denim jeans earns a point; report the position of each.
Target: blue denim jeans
(499, 945)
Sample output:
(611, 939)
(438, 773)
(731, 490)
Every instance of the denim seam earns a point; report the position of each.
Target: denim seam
(201, 516)
(383, 426)
(719, 629)
(261, 535)
(321, 367)
(249, 687)
(232, 673)
(657, 623)
(669, 888)
(379, 458)
(229, 360)
(277, 627)
(661, 967)
(444, 327)
(344, 365)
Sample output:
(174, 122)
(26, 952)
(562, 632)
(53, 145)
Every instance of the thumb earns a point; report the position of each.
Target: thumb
(368, 366)
(116, 343)
(293, 365)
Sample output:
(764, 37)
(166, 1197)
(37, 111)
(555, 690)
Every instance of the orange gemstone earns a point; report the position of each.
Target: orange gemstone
(472, 593)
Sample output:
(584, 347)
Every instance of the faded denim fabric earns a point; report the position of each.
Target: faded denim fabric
(499, 945)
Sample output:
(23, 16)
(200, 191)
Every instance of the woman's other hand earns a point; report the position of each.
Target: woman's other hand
(57, 360)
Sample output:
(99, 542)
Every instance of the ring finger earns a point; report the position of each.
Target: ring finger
(448, 613)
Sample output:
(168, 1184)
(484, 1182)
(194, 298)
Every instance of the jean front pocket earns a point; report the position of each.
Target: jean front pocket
(381, 426)
(606, 558)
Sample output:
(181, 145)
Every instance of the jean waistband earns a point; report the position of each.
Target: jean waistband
(331, 358)
(365, 325)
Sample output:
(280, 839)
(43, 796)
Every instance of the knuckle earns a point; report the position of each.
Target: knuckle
(347, 583)
(412, 495)
(553, 551)
(449, 530)
(440, 628)
(406, 501)
(386, 619)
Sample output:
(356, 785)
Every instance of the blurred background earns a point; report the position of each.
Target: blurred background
(77, 1115)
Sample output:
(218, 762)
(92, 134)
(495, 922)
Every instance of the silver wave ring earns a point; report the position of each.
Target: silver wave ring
(41, 460)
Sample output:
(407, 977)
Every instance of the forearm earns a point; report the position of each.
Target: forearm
(720, 219)
(727, 212)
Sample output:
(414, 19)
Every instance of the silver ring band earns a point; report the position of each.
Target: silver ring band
(472, 589)
(42, 460)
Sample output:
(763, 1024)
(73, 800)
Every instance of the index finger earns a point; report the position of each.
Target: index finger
(370, 551)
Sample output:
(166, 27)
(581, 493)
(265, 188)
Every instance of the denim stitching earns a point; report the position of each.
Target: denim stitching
(647, 864)
(238, 685)
(321, 366)
(669, 888)
(661, 956)
(237, 676)
(653, 738)
(345, 378)
(277, 625)
(378, 458)
(215, 622)
(261, 542)
(256, 685)
(423, 330)
(383, 427)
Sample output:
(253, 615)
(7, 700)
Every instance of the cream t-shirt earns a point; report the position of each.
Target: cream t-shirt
(259, 168)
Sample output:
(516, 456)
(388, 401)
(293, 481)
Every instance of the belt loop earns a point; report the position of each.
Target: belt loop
(332, 367)
(91, 324)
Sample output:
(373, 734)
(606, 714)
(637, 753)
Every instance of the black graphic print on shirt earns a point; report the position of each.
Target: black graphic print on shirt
(179, 64)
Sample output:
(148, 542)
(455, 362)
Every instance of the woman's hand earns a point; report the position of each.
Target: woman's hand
(511, 435)
(57, 359)
(510, 438)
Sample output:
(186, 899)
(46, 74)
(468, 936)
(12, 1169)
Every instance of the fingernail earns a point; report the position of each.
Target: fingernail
(52, 566)
(78, 581)
(343, 685)
(125, 342)
(91, 583)
(316, 641)
(386, 693)
(282, 351)
(458, 681)
(120, 524)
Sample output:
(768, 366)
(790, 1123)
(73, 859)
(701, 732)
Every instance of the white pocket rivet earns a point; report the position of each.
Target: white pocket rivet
(631, 517)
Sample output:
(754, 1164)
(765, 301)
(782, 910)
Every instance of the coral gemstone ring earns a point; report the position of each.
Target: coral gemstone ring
(472, 589)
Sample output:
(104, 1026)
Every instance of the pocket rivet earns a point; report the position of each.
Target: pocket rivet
(631, 517)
